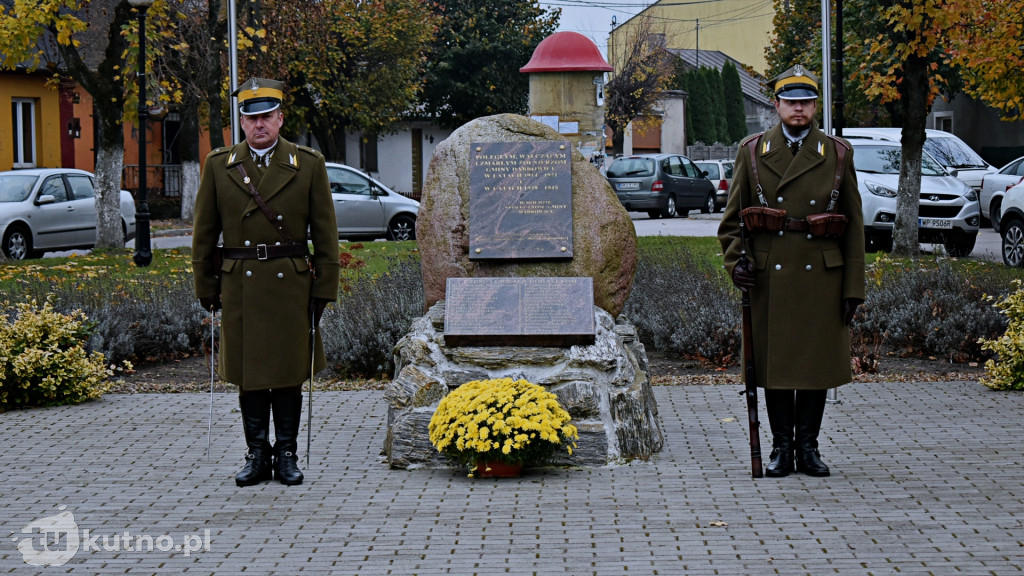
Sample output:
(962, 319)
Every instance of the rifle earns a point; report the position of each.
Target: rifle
(750, 380)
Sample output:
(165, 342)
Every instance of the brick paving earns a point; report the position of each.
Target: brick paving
(927, 479)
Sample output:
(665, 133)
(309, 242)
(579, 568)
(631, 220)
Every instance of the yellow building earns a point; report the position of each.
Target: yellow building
(741, 29)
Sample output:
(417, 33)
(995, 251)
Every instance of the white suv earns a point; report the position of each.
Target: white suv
(948, 150)
(1011, 226)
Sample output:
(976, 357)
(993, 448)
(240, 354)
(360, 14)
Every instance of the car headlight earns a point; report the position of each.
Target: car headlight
(879, 190)
(970, 193)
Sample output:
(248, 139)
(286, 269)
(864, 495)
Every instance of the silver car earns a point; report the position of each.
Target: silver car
(663, 185)
(948, 207)
(719, 172)
(48, 209)
(367, 209)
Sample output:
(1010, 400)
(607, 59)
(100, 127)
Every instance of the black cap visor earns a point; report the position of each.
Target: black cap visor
(254, 106)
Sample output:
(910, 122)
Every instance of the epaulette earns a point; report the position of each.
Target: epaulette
(839, 141)
(308, 150)
(750, 138)
(220, 150)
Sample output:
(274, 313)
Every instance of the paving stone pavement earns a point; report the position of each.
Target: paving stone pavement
(927, 479)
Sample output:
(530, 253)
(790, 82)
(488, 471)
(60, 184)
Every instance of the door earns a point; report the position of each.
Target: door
(356, 206)
(60, 223)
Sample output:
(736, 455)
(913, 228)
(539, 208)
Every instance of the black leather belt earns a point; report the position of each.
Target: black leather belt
(264, 251)
(796, 225)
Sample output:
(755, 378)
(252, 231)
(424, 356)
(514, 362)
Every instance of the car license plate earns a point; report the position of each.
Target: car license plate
(629, 186)
(939, 223)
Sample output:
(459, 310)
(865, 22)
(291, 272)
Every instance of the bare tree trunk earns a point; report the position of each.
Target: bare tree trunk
(189, 188)
(914, 110)
(109, 164)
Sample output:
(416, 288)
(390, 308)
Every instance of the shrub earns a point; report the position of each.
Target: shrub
(1007, 372)
(684, 308)
(370, 316)
(930, 308)
(43, 361)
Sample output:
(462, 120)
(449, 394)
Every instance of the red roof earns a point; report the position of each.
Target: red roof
(566, 52)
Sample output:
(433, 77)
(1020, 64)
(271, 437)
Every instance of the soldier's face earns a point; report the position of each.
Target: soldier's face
(796, 113)
(261, 130)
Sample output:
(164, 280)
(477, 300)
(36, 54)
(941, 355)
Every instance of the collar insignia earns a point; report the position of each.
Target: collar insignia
(821, 148)
(766, 146)
(231, 158)
(293, 160)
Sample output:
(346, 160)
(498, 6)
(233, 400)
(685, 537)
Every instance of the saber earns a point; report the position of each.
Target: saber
(312, 358)
(209, 429)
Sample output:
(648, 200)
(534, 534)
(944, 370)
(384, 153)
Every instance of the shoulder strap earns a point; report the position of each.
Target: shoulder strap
(840, 160)
(751, 145)
(275, 219)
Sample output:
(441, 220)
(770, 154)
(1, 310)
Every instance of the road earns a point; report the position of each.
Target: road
(696, 224)
(987, 248)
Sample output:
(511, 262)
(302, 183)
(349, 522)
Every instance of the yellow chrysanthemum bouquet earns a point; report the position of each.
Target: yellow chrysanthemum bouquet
(501, 420)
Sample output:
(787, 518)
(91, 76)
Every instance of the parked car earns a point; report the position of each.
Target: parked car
(663, 185)
(367, 209)
(993, 186)
(48, 209)
(719, 172)
(949, 151)
(948, 208)
(1011, 226)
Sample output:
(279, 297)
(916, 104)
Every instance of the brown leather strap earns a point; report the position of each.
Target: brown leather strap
(752, 146)
(264, 251)
(796, 225)
(840, 157)
(275, 219)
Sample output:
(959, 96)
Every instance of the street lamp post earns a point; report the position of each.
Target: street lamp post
(143, 253)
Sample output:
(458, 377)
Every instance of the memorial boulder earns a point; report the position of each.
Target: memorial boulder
(604, 241)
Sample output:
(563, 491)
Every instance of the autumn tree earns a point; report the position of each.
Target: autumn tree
(473, 65)
(83, 40)
(351, 66)
(643, 71)
(986, 45)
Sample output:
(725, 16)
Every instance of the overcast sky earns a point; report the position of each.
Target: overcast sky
(593, 18)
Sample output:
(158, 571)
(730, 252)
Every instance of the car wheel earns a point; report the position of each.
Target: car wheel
(670, 208)
(709, 205)
(960, 246)
(18, 243)
(994, 213)
(1013, 243)
(402, 227)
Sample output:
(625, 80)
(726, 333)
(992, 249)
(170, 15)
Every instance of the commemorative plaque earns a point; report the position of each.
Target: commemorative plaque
(521, 311)
(520, 201)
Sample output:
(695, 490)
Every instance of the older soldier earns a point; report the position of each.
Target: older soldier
(801, 256)
(264, 195)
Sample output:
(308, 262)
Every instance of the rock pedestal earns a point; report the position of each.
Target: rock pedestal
(603, 386)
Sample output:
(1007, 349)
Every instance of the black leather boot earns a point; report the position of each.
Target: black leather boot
(810, 408)
(779, 404)
(256, 425)
(287, 416)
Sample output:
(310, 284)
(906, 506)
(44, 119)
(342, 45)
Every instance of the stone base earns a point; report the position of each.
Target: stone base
(603, 386)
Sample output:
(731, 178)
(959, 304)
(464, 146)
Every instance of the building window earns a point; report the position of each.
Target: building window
(23, 112)
(944, 121)
(369, 153)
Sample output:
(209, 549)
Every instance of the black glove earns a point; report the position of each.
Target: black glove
(743, 275)
(316, 308)
(210, 303)
(850, 308)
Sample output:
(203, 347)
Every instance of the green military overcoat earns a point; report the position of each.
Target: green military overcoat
(265, 329)
(800, 341)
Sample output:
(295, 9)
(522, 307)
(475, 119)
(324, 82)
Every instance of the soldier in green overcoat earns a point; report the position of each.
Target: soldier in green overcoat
(805, 282)
(271, 287)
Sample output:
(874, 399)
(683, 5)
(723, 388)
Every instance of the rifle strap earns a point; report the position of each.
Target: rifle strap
(276, 220)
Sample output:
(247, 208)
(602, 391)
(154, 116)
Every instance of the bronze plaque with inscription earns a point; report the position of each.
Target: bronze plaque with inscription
(520, 201)
(528, 311)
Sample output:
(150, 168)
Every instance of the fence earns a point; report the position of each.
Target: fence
(162, 180)
(716, 151)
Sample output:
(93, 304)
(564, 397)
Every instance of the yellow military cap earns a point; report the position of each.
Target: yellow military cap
(795, 84)
(259, 95)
